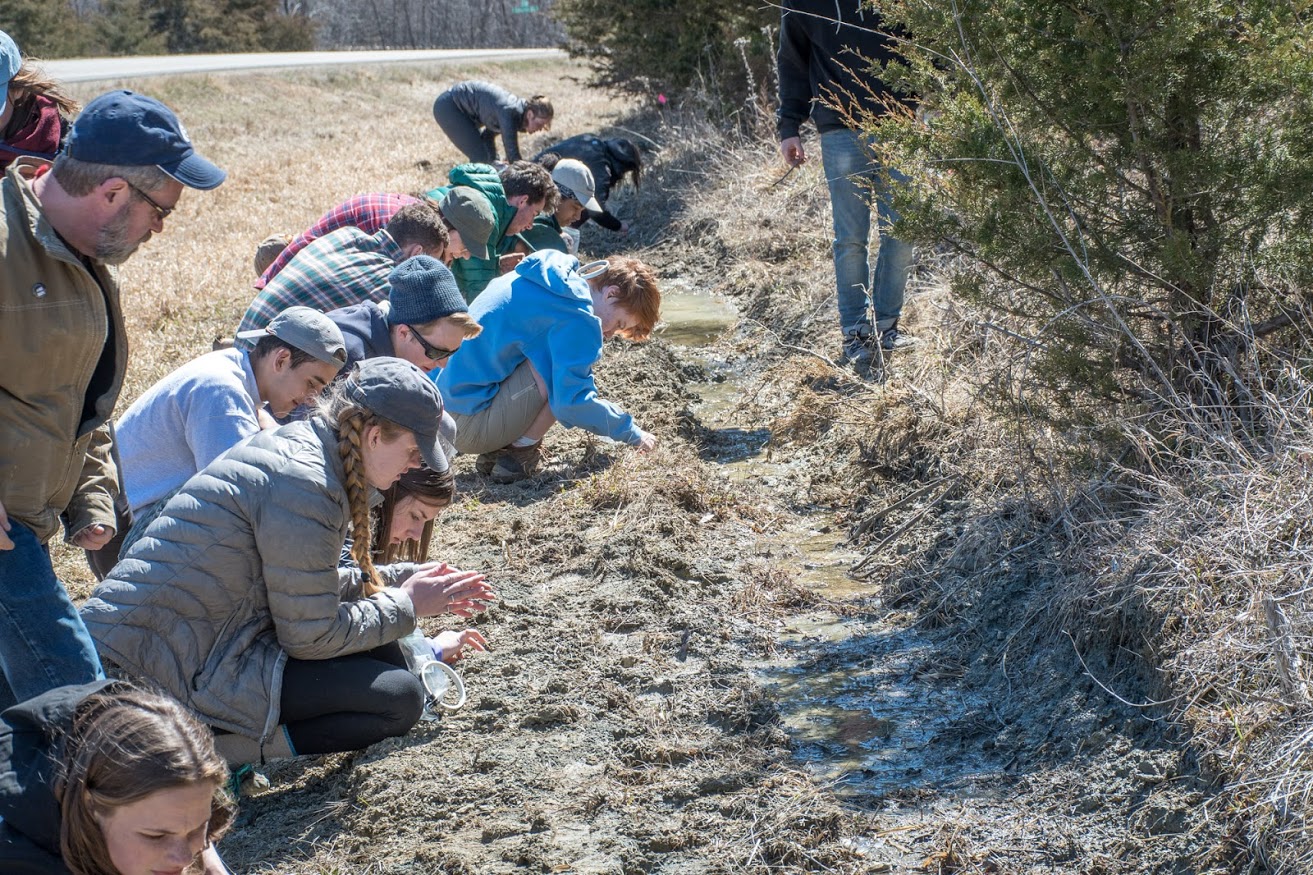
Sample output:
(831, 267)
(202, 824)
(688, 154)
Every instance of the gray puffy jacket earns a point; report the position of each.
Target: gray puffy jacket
(238, 573)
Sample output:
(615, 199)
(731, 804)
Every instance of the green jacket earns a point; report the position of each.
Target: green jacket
(545, 234)
(55, 322)
(474, 274)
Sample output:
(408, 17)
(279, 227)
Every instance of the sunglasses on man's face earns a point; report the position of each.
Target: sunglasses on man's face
(433, 353)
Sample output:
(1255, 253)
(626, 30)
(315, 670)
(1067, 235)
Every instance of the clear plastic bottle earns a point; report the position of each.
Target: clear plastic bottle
(445, 688)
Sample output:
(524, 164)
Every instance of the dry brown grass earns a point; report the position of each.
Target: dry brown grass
(1166, 559)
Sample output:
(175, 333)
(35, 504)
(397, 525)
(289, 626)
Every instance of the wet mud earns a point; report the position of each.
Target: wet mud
(687, 678)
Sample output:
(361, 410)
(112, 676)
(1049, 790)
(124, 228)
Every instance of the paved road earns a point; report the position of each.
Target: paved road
(93, 69)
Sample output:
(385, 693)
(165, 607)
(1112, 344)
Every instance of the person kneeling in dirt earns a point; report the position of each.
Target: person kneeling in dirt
(403, 524)
(232, 601)
(544, 326)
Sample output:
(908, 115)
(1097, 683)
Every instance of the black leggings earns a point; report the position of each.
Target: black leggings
(464, 132)
(349, 702)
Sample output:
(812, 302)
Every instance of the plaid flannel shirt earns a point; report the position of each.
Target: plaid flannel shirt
(368, 212)
(343, 268)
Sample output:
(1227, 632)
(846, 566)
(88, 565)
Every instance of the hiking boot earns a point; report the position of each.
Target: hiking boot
(516, 463)
(485, 462)
(858, 348)
(892, 339)
(245, 778)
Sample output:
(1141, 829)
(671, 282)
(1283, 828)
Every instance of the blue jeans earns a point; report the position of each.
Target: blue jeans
(857, 184)
(43, 642)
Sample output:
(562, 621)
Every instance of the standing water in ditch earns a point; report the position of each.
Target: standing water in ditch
(858, 688)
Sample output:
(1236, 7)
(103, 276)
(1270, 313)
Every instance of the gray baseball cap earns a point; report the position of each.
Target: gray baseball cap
(306, 329)
(575, 181)
(398, 391)
(470, 212)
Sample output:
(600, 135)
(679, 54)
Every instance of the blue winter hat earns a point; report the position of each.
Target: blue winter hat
(133, 130)
(422, 290)
(10, 60)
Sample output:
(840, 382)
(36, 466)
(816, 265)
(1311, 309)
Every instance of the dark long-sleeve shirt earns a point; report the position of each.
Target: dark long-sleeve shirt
(826, 51)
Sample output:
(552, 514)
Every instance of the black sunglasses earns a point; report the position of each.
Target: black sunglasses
(162, 212)
(434, 353)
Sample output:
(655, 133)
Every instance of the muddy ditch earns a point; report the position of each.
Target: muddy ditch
(685, 678)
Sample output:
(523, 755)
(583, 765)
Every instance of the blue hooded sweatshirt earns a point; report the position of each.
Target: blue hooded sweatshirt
(543, 312)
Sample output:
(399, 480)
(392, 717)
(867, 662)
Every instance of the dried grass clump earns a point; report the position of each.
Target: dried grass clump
(1221, 567)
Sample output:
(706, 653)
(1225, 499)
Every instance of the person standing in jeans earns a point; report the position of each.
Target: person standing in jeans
(826, 53)
(63, 354)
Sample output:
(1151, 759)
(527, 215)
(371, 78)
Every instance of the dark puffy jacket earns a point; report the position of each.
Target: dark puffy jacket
(29, 757)
(826, 50)
(606, 159)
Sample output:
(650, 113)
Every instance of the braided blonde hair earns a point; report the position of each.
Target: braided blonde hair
(351, 420)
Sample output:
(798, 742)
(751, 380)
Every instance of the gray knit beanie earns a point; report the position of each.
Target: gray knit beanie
(422, 290)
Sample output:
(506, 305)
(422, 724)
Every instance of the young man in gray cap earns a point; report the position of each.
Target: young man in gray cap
(574, 185)
(63, 353)
(424, 320)
(215, 401)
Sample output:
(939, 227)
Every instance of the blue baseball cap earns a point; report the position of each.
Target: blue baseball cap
(133, 130)
(10, 61)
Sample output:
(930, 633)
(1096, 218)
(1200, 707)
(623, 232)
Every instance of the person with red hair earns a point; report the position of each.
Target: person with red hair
(544, 326)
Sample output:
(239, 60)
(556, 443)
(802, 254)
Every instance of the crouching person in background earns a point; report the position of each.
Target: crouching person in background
(232, 601)
(543, 330)
(105, 779)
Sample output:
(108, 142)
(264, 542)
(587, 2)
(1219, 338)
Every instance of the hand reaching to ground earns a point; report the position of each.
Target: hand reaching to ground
(437, 588)
(451, 644)
(646, 441)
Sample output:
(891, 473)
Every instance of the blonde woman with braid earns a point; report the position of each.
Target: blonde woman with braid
(232, 600)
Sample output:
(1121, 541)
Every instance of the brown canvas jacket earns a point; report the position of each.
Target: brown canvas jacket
(54, 323)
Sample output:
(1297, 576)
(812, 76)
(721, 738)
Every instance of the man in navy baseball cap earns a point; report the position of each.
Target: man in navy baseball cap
(123, 127)
(63, 355)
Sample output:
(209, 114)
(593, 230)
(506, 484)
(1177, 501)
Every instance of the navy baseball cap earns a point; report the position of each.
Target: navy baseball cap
(133, 130)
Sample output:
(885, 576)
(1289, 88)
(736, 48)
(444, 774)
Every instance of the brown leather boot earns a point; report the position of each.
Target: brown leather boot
(516, 463)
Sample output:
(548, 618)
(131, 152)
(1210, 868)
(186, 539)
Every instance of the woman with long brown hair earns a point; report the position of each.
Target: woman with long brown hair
(232, 599)
(403, 526)
(107, 779)
(34, 117)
